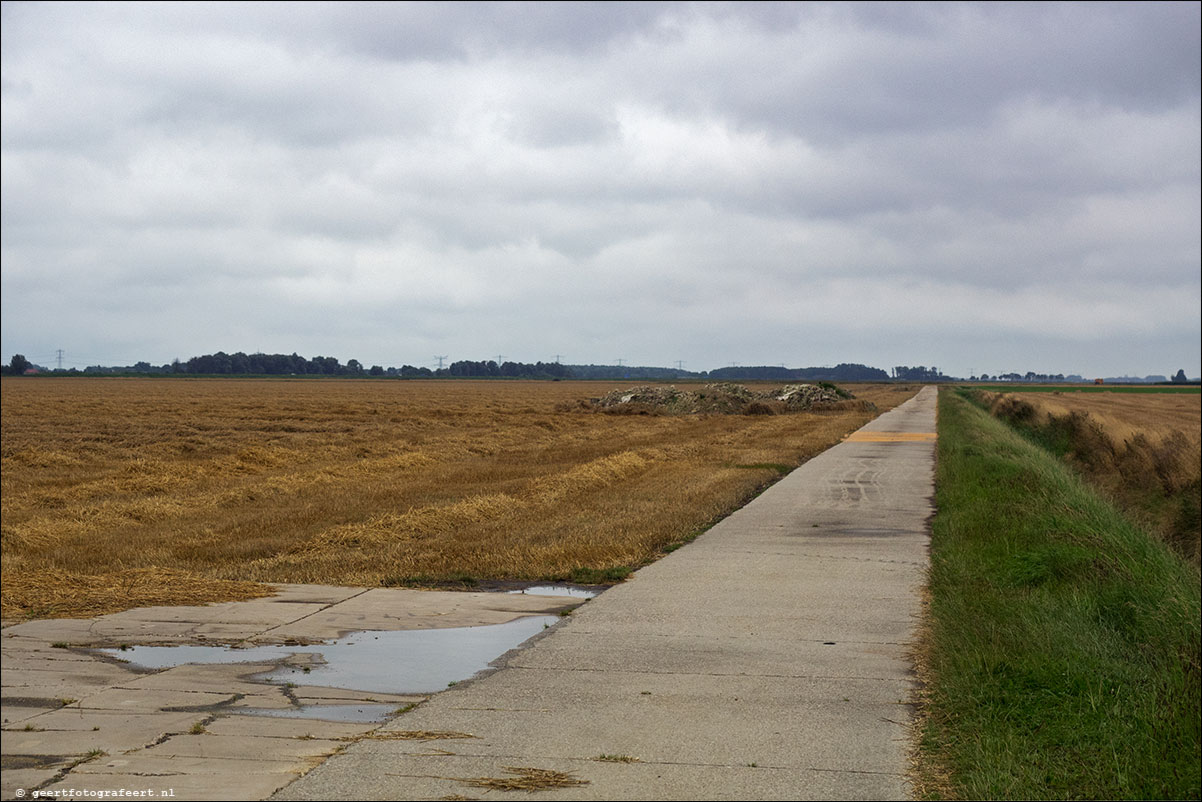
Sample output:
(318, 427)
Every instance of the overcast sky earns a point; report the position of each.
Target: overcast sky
(981, 187)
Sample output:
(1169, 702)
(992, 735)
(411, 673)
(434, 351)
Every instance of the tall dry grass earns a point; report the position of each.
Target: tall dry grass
(358, 482)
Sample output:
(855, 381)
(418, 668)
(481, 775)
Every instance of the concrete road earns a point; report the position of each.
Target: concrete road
(766, 660)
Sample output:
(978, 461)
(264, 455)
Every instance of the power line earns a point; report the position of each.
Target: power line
(440, 360)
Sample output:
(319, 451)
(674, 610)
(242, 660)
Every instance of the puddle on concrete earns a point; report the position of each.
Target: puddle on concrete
(575, 591)
(412, 661)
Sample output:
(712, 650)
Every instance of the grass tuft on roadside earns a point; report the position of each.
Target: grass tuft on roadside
(1063, 654)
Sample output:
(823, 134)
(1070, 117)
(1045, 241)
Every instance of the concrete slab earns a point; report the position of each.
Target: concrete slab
(63, 742)
(51, 630)
(51, 763)
(448, 777)
(731, 720)
(183, 778)
(68, 675)
(267, 727)
(236, 748)
(405, 608)
(15, 647)
(138, 727)
(167, 765)
(251, 782)
(14, 714)
(16, 783)
(217, 678)
(134, 700)
(729, 656)
(255, 612)
(52, 689)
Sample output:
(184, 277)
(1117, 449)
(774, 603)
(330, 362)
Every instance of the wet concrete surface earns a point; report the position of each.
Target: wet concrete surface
(78, 717)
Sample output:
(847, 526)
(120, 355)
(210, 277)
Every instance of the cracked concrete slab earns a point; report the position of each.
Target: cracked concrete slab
(145, 726)
(16, 713)
(737, 719)
(12, 779)
(431, 609)
(237, 748)
(82, 720)
(267, 727)
(223, 678)
(132, 699)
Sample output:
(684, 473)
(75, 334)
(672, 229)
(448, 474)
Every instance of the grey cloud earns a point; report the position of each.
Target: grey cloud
(847, 71)
(422, 177)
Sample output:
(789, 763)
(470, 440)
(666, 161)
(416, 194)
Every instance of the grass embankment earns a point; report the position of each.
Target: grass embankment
(1142, 452)
(1063, 650)
(118, 493)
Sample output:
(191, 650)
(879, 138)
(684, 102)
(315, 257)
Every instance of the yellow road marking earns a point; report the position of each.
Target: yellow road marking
(890, 437)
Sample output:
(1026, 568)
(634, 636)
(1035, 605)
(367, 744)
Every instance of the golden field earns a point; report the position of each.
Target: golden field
(123, 492)
(1125, 415)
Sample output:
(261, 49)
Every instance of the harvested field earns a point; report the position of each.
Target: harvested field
(1126, 415)
(213, 483)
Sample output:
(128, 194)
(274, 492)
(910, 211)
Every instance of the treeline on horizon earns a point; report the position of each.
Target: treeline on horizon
(242, 364)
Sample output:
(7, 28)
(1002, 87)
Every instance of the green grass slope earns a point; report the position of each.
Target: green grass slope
(1063, 653)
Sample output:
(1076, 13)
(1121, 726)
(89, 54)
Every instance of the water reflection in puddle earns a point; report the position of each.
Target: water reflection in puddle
(407, 661)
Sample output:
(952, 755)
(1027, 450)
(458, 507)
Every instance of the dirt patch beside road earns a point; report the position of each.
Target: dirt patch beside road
(726, 398)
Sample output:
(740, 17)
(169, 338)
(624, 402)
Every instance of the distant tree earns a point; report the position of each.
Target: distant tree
(19, 365)
(325, 365)
(1178, 377)
(376, 370)
(919, 373)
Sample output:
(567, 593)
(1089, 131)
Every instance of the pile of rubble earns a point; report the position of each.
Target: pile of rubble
(723, 398)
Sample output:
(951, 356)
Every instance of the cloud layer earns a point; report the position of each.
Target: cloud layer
(982, 187)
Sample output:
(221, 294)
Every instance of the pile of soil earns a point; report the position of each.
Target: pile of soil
(723, 398)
